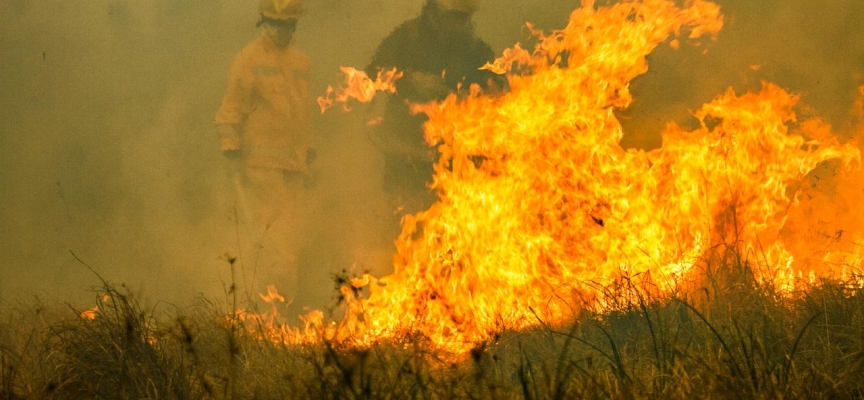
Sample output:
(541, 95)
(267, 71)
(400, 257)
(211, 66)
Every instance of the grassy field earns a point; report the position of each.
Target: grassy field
(729, 337)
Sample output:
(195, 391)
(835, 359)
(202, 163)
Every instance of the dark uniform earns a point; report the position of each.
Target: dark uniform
(434, 61)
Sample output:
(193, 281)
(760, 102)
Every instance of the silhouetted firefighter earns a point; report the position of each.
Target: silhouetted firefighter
(437, 51)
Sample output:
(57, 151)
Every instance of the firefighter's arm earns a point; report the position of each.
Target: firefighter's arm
(229, 137)
(234, 108)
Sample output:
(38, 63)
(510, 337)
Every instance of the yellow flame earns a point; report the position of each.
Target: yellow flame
(360, 87)
(540, 209)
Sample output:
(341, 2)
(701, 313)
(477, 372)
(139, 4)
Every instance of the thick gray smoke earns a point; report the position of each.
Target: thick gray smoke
(108, 149)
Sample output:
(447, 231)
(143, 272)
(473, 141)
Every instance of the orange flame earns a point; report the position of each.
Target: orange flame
(91, 313)
(360, 87)
(540, 207)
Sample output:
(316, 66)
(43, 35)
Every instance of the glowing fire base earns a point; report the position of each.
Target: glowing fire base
(540, 208)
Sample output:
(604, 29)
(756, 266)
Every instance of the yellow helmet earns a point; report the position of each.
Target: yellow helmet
(460, 5)
(281, 9)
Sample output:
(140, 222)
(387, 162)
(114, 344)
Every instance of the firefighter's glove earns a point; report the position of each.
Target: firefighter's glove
(311, 156)
(232, 154)
(229, 139)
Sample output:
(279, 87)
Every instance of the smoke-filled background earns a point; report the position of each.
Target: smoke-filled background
(107, 148)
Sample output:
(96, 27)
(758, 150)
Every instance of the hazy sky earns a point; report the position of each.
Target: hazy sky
(107, 148)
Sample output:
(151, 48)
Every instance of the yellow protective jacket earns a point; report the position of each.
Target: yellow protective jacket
(267, 102)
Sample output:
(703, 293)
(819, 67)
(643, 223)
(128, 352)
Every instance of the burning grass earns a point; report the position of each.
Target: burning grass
(556, 264)
(730, 336)
(540, 207)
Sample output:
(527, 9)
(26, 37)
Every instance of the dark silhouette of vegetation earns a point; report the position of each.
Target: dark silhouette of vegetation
(727, 336)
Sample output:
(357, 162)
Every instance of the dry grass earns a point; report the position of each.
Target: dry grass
(729, 337)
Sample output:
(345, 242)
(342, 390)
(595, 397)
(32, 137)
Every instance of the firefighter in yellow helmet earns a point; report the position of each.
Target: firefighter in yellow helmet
(265, 129)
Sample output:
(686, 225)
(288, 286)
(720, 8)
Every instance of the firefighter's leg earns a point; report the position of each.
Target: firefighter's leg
(279, 224)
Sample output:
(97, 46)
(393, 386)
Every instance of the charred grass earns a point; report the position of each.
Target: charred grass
(727, 337)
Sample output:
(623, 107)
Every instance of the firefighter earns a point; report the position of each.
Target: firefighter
(437, 51)
(265, 128)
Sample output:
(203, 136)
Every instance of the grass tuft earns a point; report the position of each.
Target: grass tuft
(724, 335)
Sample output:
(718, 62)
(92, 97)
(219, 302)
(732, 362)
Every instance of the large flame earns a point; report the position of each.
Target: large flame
(540, 207)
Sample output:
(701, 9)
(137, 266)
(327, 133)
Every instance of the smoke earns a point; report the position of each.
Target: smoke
(105, 137)
(815, 49)
(108, 149)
